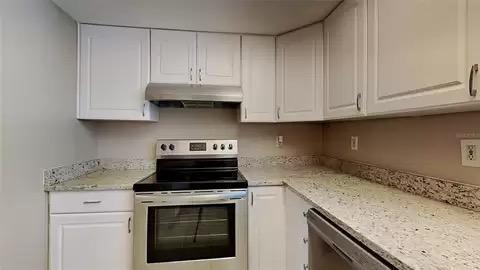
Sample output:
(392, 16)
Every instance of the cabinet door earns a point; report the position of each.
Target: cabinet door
(345, 60)
(416, 55)
(258, 79)
(296, 231)
(218, 59)
(474, 44)
(114, 72)
(300, 75)
(173, 56)
(94, 241)
(266, 229)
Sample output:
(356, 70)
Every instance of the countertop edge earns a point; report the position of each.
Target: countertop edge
(60, 187)
(383, 253)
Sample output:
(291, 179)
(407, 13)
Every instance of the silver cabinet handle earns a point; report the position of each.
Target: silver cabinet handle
(305, 240)
(252, 200)
(471, 89)
(200, 74)
(191, 74)
(305, 267)
(144, 106)
(245, 111)
(92, 202)
(278, 113)
(130, 225)
(359, 97)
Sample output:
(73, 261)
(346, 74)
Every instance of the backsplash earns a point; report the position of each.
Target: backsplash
(128, 164)
(134, 140)
(284, 161)
(68, 172)
(458, 194)
(427, 145)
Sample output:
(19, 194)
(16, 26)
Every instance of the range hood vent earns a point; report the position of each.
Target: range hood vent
(193, 96)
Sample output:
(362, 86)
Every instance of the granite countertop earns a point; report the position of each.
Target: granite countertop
(410, 231)
(102, 180)
(275, 176)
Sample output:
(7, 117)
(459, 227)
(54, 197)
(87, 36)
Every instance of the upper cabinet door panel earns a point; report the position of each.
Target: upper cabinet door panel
(114, 72)
(474, 42)
(300, 75)
(173, 56)
(345, 60)
(258, 79)
(417, 54)
(218, 59)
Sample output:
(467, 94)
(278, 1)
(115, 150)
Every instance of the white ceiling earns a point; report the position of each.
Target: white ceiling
(239, 16)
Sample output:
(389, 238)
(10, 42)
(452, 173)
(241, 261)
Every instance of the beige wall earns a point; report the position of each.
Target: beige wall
(39, 129)
(137, 140)
(427, 145)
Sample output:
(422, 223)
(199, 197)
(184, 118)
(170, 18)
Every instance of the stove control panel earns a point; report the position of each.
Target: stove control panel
(168, 148)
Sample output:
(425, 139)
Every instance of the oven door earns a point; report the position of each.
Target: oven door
(185, 229)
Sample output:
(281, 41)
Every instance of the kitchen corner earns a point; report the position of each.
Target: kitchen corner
(240, 135)
(409, 231)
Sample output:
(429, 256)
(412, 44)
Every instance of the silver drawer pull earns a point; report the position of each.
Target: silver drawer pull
(91, 202)
(305, 240)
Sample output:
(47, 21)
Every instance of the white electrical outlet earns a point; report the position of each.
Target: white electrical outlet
(354, 143)
(470, 153)
(279, 141)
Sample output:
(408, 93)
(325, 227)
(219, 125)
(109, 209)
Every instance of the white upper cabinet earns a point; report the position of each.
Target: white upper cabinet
(416, 55)
(174, 56)
(300, 75)
(218, 59)
(258, 79)
(474, 47)
(114, 71)
(345, 52)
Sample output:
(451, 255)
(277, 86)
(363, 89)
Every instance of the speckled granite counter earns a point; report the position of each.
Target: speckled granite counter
(275, 176)
(410, 231)
(102, 180)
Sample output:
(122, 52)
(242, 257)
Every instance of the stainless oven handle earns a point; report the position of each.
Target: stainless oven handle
(186, 199)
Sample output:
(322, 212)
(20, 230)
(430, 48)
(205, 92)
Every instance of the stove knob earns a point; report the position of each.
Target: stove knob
(164, 147)
(172, 147)
(222, 146)
(215, 146)
(230, 147)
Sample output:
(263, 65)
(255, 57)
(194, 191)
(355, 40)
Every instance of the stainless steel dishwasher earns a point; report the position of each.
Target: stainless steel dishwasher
(331, 248)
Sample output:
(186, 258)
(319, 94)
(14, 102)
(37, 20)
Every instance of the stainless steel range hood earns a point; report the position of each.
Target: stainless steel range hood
(182, 95)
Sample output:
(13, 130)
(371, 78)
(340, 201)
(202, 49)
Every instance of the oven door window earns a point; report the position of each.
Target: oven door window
(192, 232)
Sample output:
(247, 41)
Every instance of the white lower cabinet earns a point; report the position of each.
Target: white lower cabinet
(96, 240)
(266, 228)
(296, 231)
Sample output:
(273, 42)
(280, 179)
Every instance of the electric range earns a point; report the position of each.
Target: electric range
(192, 213)
(194, 165)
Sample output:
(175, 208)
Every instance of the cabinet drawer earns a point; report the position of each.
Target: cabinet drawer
(91, 201)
